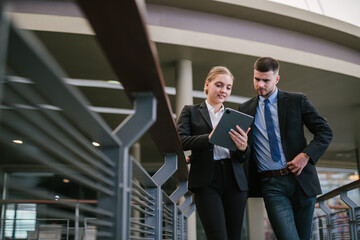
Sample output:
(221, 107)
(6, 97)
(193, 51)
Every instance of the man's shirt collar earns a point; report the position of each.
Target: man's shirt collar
(272, 98)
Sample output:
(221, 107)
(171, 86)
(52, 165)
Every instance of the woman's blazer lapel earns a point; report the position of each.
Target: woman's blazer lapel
(205, 114)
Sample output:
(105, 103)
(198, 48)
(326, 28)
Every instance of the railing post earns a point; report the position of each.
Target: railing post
(160, 177)
(167, 170)
(67, 229)
(169, 224)
(179, 192)
(3, 206)
(4, 36)
(175, 197)
(190, 210)
(357, 220)
(352, 218)
(77, 217)
(184, 205)
(180, 228)
(129, 131)
(329, 218)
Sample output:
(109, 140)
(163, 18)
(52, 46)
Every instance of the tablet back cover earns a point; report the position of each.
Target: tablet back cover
(228, 121)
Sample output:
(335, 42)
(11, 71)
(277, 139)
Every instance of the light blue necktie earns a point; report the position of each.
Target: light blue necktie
(274, 147)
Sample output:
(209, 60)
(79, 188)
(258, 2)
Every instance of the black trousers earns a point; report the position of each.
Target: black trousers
(221, 205)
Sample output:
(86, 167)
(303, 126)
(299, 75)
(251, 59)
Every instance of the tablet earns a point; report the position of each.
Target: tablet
(229, 120)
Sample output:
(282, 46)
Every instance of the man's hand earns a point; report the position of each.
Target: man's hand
(298, 163)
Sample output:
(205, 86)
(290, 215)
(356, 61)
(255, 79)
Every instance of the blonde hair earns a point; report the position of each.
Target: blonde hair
(214, 72)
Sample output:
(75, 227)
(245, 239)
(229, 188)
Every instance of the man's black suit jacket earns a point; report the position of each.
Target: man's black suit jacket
(294, 111)
(194, 126)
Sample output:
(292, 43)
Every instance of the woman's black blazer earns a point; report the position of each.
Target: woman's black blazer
(194, 126)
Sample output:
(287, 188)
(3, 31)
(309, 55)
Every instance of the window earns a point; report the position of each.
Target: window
(19, 219)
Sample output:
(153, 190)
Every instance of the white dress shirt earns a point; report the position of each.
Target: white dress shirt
(260, 136)
(219, 152)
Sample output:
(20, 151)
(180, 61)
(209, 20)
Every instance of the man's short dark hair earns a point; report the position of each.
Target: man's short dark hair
(266, 64)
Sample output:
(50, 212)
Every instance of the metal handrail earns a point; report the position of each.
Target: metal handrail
(336, 192)
(338, 222)
(59, 127)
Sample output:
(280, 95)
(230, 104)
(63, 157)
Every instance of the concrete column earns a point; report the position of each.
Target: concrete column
(357, 141)
(256, 214)
(184, 88)
(184, 85)
(135, 151)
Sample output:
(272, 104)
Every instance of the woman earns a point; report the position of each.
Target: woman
(216, 176)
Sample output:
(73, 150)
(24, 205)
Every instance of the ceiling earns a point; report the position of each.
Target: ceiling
(335, 95)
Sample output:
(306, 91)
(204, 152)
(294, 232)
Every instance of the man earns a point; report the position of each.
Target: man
(282, 165)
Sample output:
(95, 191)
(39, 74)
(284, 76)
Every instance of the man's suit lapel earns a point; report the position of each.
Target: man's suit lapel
(282, 103)
(205, 114)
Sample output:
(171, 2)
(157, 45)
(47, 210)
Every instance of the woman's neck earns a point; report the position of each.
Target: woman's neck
(216, 106)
